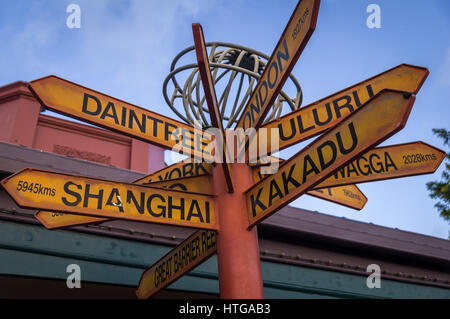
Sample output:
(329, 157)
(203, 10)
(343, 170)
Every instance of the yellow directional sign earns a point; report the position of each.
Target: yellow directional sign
(286, 53)
(384, 115)
(51, 191)
(388, 162)
(319, 116)
(54, 220)
(347, 195)
(178, 170)
(183, 258)
(79, 102)
(211, 100)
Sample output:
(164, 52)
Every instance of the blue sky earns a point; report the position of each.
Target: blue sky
(124, 48)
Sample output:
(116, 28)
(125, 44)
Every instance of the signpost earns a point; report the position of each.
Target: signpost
(388, 162)
(87, 105)
(384, 115)
(51, 191)
(315, 118)
(211, 101)
(190, 253)
(195, 194)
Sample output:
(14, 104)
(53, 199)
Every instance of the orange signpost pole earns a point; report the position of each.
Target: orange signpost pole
(237, 248)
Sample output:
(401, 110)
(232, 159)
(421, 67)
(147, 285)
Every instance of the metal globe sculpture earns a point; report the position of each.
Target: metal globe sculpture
(235, 70)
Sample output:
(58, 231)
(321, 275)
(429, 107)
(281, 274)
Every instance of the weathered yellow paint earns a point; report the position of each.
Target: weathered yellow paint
(286, 53)
(168, 177)
(79, 102)
(51, 191)
(315, 118)
(187, 255)
(375, 121)
(347, 195)
(388, 162)
(177, 170)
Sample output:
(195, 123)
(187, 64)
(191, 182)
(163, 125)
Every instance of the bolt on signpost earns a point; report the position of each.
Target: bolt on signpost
(223, 201)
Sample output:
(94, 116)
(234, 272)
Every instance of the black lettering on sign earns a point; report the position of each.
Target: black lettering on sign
(256, 202)
(85, 107)
(327, 153)
(36, 188)
(330, 161)
(320, 122)
(299, 24)
(156, 205)
(113, 114)
(139, 206)
(350, 194)
(173, 207)
(418, 158)
(283, 137)
(155, 124)
(114, 200)
(367, 165)
(321, 114)
(135, 119)
(168, 129)
(282, 55)
(162, 209)
(175, 173)
(261, 94)
(199, 167)
(77, 196)
(308, 162)
(275, 192)
(208, 240)
(321, 190)
(177, 186)
(288, 179)
(187, 169)
(88, 195)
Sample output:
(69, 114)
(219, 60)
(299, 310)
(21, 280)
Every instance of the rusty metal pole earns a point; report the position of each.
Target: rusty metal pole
(237, 248)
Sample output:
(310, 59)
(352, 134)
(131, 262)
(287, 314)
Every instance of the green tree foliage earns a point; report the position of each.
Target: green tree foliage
(441, 190)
